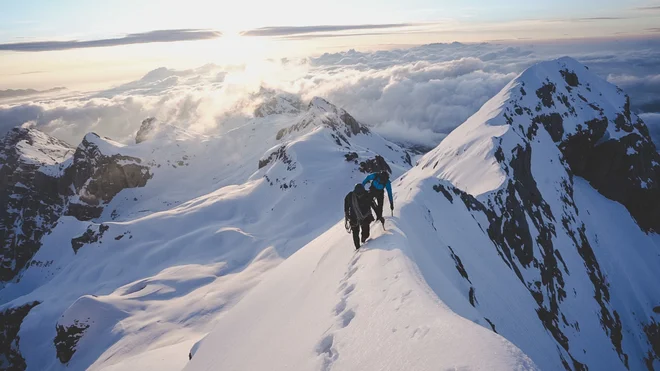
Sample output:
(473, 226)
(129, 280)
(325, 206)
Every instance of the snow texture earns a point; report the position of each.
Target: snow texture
(502, 252)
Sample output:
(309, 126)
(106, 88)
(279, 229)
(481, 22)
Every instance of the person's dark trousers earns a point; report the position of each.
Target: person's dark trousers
(379, 195)
(365, 226)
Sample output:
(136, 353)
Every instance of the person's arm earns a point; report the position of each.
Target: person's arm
(369, 178)
(346, 206)
(388, 186)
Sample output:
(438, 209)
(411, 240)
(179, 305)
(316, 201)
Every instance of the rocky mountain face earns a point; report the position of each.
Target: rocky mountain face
(96, 176)
(533, 145)
(42, 178)
(31, 194)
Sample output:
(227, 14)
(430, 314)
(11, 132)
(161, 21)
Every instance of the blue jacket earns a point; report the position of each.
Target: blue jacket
(376, 184)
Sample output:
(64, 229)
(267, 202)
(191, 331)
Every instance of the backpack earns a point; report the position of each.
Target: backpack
(383, 177)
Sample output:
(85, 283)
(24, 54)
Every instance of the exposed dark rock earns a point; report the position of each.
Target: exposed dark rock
(622, 170)
(472, 297)
(441, 188)
(621, 123)
(67, 339)
(36, 189)
(10, 323)
(652, 331)
(459, 265)
(657, 309)
(406, 158)
(146, 130)
(93, 234)
(374, 165)
(570, 77)
(351, 156)
(83, 212)
(492, 325)
(281, 155)
(30, 199)
(553, 124)
(97, 177)
(545, 94)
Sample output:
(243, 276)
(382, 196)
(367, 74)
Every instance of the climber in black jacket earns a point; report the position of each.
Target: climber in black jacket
(357, 213)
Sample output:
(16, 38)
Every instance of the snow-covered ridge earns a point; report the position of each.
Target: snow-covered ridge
(504, 251)
(529, 167)
(197, 216)
(588, 119)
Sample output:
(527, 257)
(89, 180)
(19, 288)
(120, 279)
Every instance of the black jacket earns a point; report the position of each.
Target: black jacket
(365, 203)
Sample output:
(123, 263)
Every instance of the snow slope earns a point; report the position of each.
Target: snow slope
(148, 277)
(327, 307)
(508, 224)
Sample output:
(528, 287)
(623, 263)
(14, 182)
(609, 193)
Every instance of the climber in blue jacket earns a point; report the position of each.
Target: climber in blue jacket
(379, 182)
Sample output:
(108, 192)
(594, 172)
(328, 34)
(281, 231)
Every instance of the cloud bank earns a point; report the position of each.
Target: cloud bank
(289, 30)
(158, 36)
(414, 95)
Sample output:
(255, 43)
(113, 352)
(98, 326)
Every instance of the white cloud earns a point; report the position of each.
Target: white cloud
(415, 95)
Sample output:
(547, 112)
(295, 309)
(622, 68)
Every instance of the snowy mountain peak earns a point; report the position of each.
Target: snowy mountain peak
(561, 177)
(560, 104)
(321, 113)
(274, 102)
(321, 104)
(34, 146)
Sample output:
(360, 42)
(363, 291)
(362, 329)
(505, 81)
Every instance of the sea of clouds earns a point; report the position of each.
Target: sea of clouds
(414, 95)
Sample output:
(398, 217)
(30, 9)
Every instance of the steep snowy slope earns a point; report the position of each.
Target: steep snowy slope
(147, 276)
(562, 184)
(328, 308)
(526, 220)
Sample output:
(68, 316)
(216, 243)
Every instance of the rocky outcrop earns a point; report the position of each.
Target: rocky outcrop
(97, 177)
(67, 338)
(146, 130)
(601, 140)
(10, 323)
(92, 234)
(43, 178)
(30, 195)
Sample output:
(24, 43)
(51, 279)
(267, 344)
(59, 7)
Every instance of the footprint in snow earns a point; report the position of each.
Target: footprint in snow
(340, 306)
(347, 317)
(351, 272)
(349, 290)
(324, 348)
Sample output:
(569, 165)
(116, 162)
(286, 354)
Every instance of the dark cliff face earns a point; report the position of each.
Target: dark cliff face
(30, 198)
(40, 181)
(607, 145)
(96, 178)
(10, 324)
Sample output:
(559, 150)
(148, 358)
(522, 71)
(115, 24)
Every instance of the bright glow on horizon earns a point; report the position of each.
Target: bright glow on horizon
(423, 21)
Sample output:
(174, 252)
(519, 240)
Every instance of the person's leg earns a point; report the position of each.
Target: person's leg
(366, 227)
(380, 198)
(356, 235)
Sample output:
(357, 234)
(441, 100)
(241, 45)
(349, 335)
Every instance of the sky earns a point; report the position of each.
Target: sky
(69, 67)
(81, 38)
